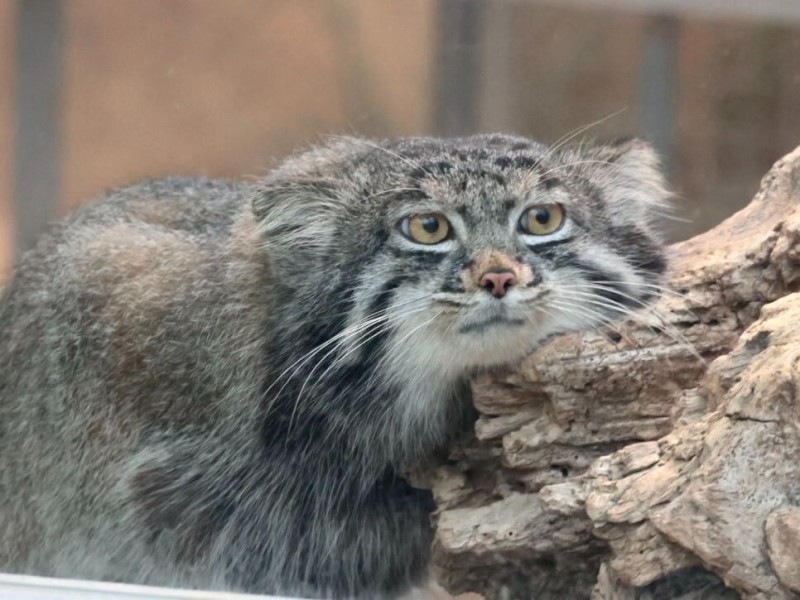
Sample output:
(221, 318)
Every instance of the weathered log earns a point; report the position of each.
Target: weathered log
(657, 459)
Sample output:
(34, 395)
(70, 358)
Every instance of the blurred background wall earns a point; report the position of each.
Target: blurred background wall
(95, 93)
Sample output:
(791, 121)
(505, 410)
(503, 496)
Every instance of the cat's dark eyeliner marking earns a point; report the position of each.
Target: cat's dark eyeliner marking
(545, 244)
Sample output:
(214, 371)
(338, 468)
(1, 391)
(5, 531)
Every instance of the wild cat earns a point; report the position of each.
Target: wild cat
(220, 385)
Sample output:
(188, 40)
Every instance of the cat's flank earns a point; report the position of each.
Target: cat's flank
(220, 385)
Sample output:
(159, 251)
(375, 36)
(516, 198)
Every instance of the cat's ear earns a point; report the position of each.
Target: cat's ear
(297, 218)
(634, 178)
(297, 205)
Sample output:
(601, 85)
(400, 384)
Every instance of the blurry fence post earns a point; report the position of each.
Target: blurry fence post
(498, 108)
(37, 106)
(458, 57)
(659, 85)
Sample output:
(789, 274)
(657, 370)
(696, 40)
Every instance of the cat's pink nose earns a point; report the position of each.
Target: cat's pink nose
(497, 282)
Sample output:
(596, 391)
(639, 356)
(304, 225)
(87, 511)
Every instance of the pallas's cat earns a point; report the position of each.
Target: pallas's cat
(220, 385)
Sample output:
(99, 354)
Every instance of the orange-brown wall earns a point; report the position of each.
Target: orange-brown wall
(156, 87)
(222, 88)
(153, 88)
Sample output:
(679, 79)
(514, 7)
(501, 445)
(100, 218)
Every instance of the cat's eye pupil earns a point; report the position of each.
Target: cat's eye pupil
(542, 216)
(431, 228)
(542, 219)
(430, 224)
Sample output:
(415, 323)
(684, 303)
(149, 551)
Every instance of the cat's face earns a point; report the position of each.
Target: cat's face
(467, 253)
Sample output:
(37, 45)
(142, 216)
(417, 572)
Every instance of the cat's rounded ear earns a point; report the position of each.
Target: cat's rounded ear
(296, 218)
(297, 204)
(635, 178)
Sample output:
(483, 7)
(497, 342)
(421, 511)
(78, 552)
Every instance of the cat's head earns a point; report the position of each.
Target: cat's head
(464, 253)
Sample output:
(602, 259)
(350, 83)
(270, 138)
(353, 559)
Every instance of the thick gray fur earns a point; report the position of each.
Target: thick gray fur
(175, 406)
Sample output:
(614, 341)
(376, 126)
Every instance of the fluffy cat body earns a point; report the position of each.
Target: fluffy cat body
(219, 385)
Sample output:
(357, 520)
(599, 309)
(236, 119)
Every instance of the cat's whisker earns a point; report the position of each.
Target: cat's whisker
(589, 316)
(352, 330)
(603, 322)
(665, 327)
(577, 163)
(399, 342)
(392, 191)
(402, 352)
(660, 289)
(537, 295)
(619, 308)
(380, 148)
(593, 317)
(663, 319)
(377, 329)
(559, 143)
(454, 299)
(396, 343)
(454, 319)
(349, 331)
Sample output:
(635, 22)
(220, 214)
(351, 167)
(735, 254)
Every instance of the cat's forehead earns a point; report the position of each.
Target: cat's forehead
(475, 157)
(464, 173)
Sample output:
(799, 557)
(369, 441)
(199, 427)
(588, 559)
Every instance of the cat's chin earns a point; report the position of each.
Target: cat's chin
(489, 345)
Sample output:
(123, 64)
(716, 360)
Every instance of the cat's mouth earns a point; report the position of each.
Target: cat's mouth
(460, 300)
(476, 315)
(493, 321)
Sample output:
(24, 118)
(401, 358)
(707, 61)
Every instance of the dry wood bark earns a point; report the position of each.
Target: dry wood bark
(657, 460)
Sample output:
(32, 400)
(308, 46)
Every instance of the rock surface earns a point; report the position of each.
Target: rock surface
(660, 459)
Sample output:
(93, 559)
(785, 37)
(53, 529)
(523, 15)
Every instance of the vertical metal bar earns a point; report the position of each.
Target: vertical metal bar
(659, 85)
(498, 106)
(456, 85)
(37, 105)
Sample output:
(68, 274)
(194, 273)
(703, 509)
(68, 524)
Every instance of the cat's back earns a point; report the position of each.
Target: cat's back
(130, 251)
(124, 320)
(134, 283)
(123, 231)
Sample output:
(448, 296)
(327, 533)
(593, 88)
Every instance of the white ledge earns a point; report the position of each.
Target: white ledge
(28, 587)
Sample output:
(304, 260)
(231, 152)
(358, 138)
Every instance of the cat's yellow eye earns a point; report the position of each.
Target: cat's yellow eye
(431, 228)
(542, 219)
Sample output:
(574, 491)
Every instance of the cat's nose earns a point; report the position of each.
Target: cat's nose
(497, 282)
